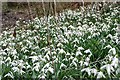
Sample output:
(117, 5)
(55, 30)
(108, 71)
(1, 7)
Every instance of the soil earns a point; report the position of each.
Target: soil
(22, 12)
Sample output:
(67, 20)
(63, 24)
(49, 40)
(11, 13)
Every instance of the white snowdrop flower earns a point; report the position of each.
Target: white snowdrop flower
(21, 71)
(71, 57)
(68, 54)
(51, 70)
(15, 69)
(89, 37)
(21, 64)
(112, 50)
(23, 36)
(108, 46)
(7, 49)
(75, 59)
(8, 59)
(56, 60)
(118, 71)
(23, 48)
(33, 53)
(2, 52)
(78, 23)
(110, 57)
(78, 53)
(115, 62)
(65, 40)
(20, 43)
(100, 75)
(66, 23)
(88, 70)
(54, 57)
(26, 51)
(47, 56)
(47, 65)
(104, 40)
(12, 44)
(59, 45)
(87, 51)
(34, 58)
(109, 36)
(36, 68)
(96, 34)
(13, 64)
(43, 59)
(80, 28)
(108, 67)
(86, 63)
(72, 27)
(42, 77)
(10, 74)
(94, 71)
(36, 26)
(74, 63)
(28, 66)
(81, 63)
(62, 66)
(80, 48)
(62, 51)
(14, 52)
(87, 59)
(76, 40)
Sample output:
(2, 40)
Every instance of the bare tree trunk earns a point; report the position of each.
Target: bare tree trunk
(29, 10)
(0, 17)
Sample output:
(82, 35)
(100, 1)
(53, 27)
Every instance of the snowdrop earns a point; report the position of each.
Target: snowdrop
(42, 77)
(112, 51)
(73, 63)
(86, 63)
(15, 69)
(68, 54)
(37, 66)
(109, 36)
(47, 65)
(36, 26)
(108, 67)
(87, 51)
(14, 52)
(80, 48)
(62, 66)
(10, 74)
(100, 75)
(59, 45)
(81, 63)
(115, 62)
(47, 57)
(71, 57)
(51, 70)
(62, 51)
(87, 59)
(94, 71)
(2, 52)
(34, 58)
(72, 27)
(108, 46)
(117, 71)
(78, 53)
(8, 59)
(33, 53)
(88, 70)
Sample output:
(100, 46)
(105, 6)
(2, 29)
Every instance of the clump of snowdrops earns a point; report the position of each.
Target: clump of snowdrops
(76, 44)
